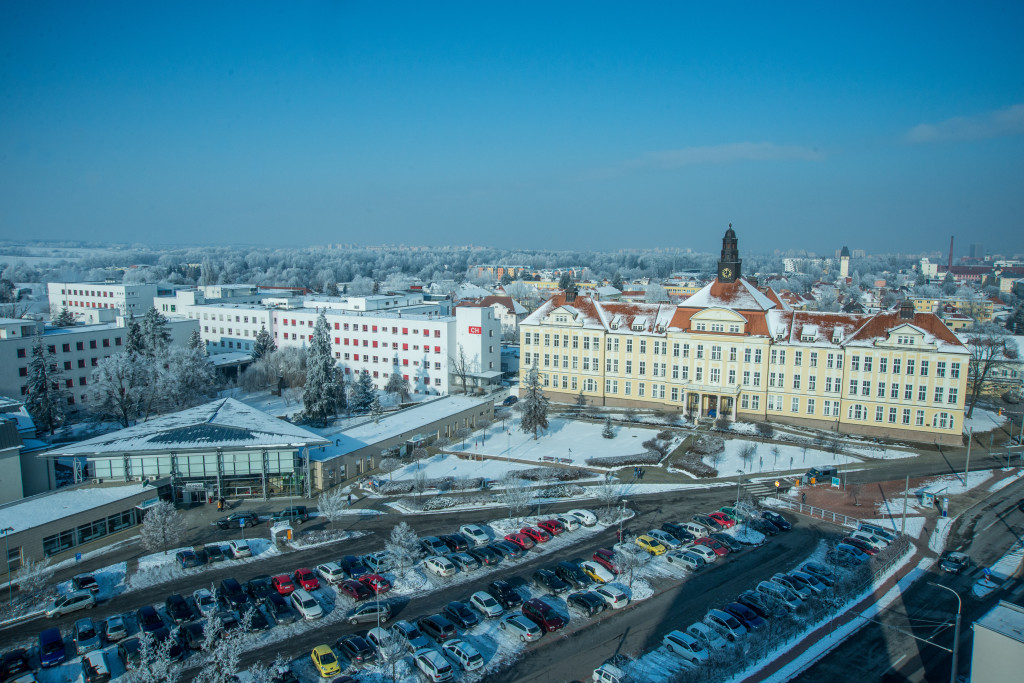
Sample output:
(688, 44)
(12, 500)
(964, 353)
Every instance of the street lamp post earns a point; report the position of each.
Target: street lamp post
(956, 632)
(7, 554)
(739, 481)
(621, 517)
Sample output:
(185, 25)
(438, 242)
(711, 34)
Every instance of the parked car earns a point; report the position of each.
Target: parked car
(615, 597)
(587, 602)
(432, 545)
(231, 595)
(95, 668)
(85, 582)
(651, 545)
(283, 584)
(504, 593)
(763, 605)
(507, 550)
(543, 614)
(823, 573)
(204, 601)
(357, 590)
(521, 540)
(686, 559)
(763, 526)
(375, 582)
(356, 649)
(704, 552)
(238, 549)
(552, 526)
(407, 633)
(686, 646)
(438, 627)
(193, 635)
(586, 517)
(296, 514)
(888, 534)
(461, 615)
(510, 401)
(433, 665)
(606, 558)
(748, 617)
(597, 572)
(518, 626)
(369, 612)
(214, 553)
(734, 513)
(665, 538)
(257, 621)
(710, 638)
(86, 636)
(547, 580)
(376, 562)
(149, 619)
(259, 587)
(51, 647)
(570, 522)
(716, 547)
(456, 543)
(860, 545)
(723, 519)
(71, 602)
(237, 520)
(571, 573)
(485, 603)
(14, 665)
(802, 591)
(725, 623)
(536, 534)
(808, 580)
(709, 523)
(485, 555)
(780, 593)
(114, 629)
(465, 655)
(677, 531)
(178, 609)
(954, 562)
(876, 542)
(306, 579)
(464, 562)
(162, 637)
(129, 651)
(609, 673)
(475, 533)
(439, 566)
(728, 541)
(353, 566)
(306, 605)
(277, 606)
(325, 661)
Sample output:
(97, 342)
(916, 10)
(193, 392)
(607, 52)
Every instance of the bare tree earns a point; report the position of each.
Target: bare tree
(459, 364)
(461, 434)
(747, 453)
(854, 492)
(33, 575)
(162, 527)
(610, 490)
(332, 505)
(989, 346)
(516, 494)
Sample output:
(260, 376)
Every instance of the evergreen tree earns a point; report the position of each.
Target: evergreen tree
(397, 386)
(156, 336)
(195, 342)
(617, 281)
(608, 432)
(133, 344)
(331, 289)
(340, 392)
(263, 345)
(505, 278)
(564, 281)
(65, 318)
(361, 393)
(534, 406)
(318, 396)
(46, 394)
(376, 409)
(581, 404)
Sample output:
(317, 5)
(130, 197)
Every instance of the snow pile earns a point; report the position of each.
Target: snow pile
(983, 587)
(746, 535)
(937, 541)
(1006, 566)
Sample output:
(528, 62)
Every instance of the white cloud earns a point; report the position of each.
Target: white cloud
(724, 154)
(993, 124)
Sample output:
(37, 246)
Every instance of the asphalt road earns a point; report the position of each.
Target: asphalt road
(881, 653)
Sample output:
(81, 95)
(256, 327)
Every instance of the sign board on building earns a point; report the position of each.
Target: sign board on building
(835, 482)
(473, 329)
(194, 486)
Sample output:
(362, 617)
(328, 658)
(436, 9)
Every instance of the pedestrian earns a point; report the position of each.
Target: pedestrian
(350, 500)
(803, 498)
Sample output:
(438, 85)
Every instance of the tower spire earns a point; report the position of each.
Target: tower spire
(729, 266)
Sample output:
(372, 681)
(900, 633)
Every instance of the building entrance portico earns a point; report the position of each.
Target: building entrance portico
(713, 403)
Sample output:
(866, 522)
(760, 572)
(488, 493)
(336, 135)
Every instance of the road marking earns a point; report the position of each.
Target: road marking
(895, 664)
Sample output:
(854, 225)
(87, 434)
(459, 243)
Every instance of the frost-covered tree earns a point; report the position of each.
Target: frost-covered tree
(581, 404)
(46, 395)
(376, 409)
(133, 342)
(153, 662)
(534, 406)
(515, 493)
(608, 431)
(617, 282)
(318, 398)
(120, 387)
(564, 281)
(332, 504)
(403, 545)
(398, 386)
(156, 333)
(263, 345)
(64, 318)
(187, 380)
(195, 341)
(655, 294)
(989, 346)
(222, 650)
(361, 393)
(33, 576)
(162, 527)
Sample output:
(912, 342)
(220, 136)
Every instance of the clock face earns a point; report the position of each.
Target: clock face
(726, 273)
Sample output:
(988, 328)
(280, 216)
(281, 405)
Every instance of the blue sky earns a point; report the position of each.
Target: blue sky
(885, 126)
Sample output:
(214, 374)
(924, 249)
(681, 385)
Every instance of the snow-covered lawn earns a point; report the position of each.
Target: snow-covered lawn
(449, 465)
(569, 439)
(983, 420)
(765, 459)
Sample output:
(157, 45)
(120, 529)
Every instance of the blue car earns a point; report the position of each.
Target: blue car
(188, 559)
(51, 648)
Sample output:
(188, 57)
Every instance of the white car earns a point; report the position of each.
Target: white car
(665, 538)
(684, 558)
(726, 624)
(596, 571)
(486, 604)
(876, 542)
(519, 626)
(464, 654)
(72, 602)
(439, 566)
(239, 549)
(331, 573)
(615, 597)
(205, 603)
(586, 517)
(686, 646)
(609, 673)
(570, 522)
(711, 638)
(378, 562)
(475, 534)
(306, 605)
(705, 552)
(433, 665)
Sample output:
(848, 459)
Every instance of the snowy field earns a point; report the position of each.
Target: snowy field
(448, 465)
(772, 458)
(984, 420)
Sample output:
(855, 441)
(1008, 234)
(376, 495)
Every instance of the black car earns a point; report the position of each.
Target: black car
(457, 543)
(510, 401)
(259, 588)
(178, 609)
(485, 556)
(503, 592)
(571, 573)
(761, 604)
(149, 619)
(588, 602)
(728, 541)
(549, 581)
(85, 582)
(193, 635)
(461, 614)
(438, 627)
(507, 550)
(231, 594)
(296, 514)
(678, 532)
(237, 520)
(778, 520)
(763, 526)
(356, 649)
(257, 620)
(277, 606)
(748, 617)
(353, 566)
(129, 651)
(214, 553)
(228, 621)
(163, 634)
(14, 664)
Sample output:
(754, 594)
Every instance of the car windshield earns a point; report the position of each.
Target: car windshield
(327, 658)
(309, 603)
(488, 602)
(86, 633)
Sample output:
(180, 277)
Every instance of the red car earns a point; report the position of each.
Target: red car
(552, 526)
(723, 519)
(860, 545)
(536, 534)
(604, 557)
(375, 582)
(306, 579)
(282, 583)
(521, 540)
(542, 614)
(719, 549)
(355, 589)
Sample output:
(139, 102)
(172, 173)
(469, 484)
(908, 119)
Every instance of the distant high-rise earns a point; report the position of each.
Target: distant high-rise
(844, 263)
(977, 250)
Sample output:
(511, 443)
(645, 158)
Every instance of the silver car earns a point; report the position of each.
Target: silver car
(518, 626)
(86, 636)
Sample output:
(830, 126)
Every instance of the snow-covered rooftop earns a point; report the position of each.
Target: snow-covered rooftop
(224, 423)
(608, 315)
(346, 441)
(48, 507)
(739, 296)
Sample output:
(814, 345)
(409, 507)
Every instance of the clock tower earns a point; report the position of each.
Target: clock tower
(730, 263)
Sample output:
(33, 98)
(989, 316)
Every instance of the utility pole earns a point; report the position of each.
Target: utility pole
(956, 633)
(906, 492)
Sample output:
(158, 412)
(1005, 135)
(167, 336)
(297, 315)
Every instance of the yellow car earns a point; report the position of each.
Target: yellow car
(651, 545)
(325, 661)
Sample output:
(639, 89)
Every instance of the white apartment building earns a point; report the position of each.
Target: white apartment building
(78, 350)
(101, 302)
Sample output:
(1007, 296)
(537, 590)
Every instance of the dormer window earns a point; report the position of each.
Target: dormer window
(734, 329)
(700, 326)
(560, 319)
(638, 327)
(837, 336)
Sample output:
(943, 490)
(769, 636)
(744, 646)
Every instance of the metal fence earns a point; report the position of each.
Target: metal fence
(820, 513)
